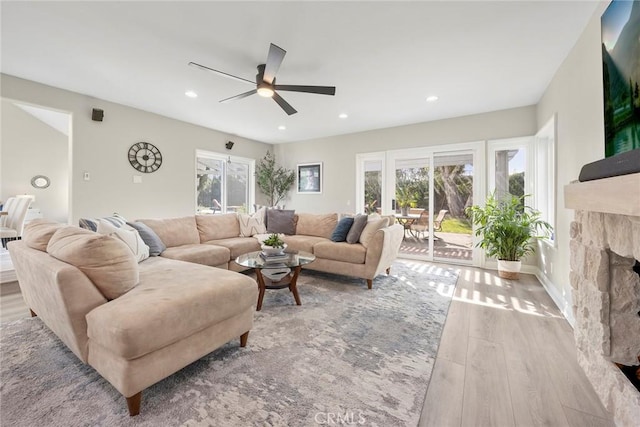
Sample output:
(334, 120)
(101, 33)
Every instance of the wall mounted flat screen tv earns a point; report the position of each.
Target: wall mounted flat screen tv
(621, 76)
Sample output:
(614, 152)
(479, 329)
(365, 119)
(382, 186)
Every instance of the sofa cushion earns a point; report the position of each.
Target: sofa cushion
(128, 235)
(341, 251)
(175, 231)
(281, 221)
(316, 225)
(359, 222)
(38, 232)
(238, 245)
(342, 229)
(210, 255)
(372, 226)
(174, 300)
(150, 238)
(220, 226)
(250, 225)
(105, 260)
(302, 243)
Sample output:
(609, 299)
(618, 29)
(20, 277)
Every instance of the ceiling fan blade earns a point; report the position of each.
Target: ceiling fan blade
(242, 95)
(284, 104)
(274, 59)
(222, 73)
(321, 90)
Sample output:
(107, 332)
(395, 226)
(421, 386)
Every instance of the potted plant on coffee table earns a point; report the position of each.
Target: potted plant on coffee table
(273, 245)
(508, 230)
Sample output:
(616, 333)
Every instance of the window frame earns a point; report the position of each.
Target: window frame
(545, 168)
(225, 159)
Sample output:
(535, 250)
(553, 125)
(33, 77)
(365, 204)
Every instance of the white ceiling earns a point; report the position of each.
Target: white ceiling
(385, 58)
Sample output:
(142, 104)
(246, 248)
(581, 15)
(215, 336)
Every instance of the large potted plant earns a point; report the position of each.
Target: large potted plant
(508, 230)
(272, 180)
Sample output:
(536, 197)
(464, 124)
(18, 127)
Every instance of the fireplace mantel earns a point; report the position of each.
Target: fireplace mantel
(616, 195)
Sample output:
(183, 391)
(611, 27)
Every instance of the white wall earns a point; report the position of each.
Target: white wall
(575, 94)
(30, 147)
(338, 154)
(100, 148)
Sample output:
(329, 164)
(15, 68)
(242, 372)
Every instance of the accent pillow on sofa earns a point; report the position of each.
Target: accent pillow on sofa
(359, 222)
(281, 221)
(92, 223)
(105, 260)
(128, 235)
(342, 229)
(250, 225)
(149, 237)
(38, 232)
(370, 229)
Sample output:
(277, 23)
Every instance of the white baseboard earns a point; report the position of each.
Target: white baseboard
(564, 307)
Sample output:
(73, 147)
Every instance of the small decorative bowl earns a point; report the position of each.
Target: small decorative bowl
(270, 250)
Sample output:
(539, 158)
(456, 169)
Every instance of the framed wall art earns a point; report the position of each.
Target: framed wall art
(310, 178)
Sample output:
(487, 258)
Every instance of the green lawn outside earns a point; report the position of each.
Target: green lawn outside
(456, 225)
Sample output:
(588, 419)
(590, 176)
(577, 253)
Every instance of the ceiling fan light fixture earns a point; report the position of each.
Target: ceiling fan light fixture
(265, 91)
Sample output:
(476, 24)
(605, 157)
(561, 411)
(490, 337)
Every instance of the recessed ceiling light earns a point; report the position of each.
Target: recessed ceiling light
(343, 116)
(191, 94)
(432, 98)
(282, 127)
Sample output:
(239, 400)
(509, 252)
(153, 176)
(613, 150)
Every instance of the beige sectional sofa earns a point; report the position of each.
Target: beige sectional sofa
(139, 322)
(135, 323)
(213, 240)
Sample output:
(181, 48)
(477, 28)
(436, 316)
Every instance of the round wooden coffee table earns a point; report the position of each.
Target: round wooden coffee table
(292, 260)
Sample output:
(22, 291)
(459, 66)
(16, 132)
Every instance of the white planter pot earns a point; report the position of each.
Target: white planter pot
(270, 250)
(509, 269)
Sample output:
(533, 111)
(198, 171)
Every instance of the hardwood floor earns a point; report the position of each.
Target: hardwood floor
(507, 358)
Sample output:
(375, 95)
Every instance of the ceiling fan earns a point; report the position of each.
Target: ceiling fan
(266, 81)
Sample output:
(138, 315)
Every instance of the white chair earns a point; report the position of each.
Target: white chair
(14, 223)
(5, 208)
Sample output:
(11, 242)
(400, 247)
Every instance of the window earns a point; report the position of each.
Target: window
(545, 168)
(510, 167)
(370, 177)
(223, 183)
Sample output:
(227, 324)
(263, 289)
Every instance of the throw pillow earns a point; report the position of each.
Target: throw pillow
(250, 225)
(370, 229)
(281, 221)
(149, 237)
(92, 223)
(105, 260)
(342, 229)
(128, 235)
(359, 222)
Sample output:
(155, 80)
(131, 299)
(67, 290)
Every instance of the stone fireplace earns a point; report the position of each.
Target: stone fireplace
(605, 247)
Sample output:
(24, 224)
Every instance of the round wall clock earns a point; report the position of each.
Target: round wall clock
(145, 157)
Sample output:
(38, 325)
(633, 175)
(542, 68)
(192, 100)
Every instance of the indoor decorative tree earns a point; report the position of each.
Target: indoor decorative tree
(273, 181)
(509, 229)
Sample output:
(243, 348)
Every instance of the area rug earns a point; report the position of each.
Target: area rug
(347, 355)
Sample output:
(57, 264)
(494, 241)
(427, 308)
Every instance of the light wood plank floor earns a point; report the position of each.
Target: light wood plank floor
(507, 358)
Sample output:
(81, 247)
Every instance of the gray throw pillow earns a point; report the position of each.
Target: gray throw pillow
(359, 222)
(281, 221)
(149, 237)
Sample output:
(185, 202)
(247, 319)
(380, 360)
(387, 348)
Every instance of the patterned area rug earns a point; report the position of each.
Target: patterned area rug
(347, 355)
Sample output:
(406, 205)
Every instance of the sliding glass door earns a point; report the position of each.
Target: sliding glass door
(428, 190)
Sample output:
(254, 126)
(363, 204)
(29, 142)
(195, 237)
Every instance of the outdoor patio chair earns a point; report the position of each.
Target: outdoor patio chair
(421, 225)
(437, 223)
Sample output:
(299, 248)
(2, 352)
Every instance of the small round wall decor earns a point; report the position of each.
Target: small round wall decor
(145, 157)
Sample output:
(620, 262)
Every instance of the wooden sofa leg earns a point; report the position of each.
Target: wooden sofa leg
(133, 403)
(369, 283)
(243, 339)
(33, 313)
(388, 271)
